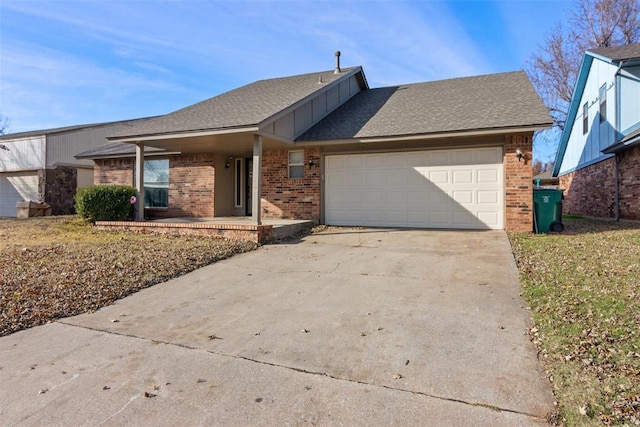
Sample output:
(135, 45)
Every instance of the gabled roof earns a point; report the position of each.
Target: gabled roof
(53, 131)
(611, 54)
(618, 53)
(247, 106)
(488, 102)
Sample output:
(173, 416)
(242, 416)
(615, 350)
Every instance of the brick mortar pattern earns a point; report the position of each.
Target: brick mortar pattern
(518, 197)
(290, 198)
(590, 191)
(191, 183)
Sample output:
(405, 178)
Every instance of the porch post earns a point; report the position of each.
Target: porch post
(256, 185)
(140, 182)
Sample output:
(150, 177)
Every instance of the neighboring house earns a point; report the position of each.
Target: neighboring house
(326, 147)
(598, 159)
(546, 179)
(40, 165)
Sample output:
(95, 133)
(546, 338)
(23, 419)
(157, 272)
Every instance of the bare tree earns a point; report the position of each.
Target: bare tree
(4, 124)
(590, 24)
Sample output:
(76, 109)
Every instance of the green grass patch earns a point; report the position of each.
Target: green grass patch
(583, 287)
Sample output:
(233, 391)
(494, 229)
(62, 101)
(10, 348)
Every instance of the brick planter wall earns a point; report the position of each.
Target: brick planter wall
(287, 198)
(518, 183)
(590, 191)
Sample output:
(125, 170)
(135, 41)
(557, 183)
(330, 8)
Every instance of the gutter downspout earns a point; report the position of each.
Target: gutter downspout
(617, 192)
(616, 177)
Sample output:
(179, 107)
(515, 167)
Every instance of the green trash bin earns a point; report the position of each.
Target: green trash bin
(547, 210)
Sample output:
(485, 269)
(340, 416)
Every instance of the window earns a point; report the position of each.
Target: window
(603, 103)
(296, 164)
(585, 118)
(239, 184)
(156, 183)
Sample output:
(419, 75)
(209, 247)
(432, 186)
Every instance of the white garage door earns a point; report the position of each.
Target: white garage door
(15, 187)
(429, 189)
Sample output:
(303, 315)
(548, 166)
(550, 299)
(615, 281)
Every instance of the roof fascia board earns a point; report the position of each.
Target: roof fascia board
(309, 97)
(501, 131)
(581, 81)
(275, 137)
(126, 156)
(185, 134)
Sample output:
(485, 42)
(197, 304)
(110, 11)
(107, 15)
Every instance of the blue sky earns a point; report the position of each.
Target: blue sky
(68, 62)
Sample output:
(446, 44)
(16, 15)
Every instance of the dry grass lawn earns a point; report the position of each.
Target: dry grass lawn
(60, 266)
(583, 287)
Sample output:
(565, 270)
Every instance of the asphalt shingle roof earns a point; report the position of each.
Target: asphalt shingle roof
(462, 104)
(245, 106)
(619, 53)
(116, 149)
(52, 131)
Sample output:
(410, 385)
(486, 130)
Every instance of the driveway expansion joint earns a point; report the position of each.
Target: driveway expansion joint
(309, 372)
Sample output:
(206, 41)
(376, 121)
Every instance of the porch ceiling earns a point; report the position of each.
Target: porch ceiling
(230, 143)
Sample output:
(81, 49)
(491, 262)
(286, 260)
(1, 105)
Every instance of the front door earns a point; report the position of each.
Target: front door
(248, 174)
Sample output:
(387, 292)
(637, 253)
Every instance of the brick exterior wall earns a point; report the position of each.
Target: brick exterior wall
(629, 170)
(191, 186)
(191, 183)
(290, 198)
(590, 191)
(114, 172)
(518, 183)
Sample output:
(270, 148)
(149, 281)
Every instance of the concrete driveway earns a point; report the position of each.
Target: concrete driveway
(346, 327)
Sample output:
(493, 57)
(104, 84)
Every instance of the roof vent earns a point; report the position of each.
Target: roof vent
(337, 70)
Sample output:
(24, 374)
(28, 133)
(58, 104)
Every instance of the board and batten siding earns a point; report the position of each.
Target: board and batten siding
(63, 146)
(585, 149)
(23, 154)
(311, 112)
(629, 99)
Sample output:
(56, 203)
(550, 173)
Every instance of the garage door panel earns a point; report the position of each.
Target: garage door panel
(489, 176)
(463, 176)
(395, 160)
(463, 219)
(439, 158)
(463, 197)
(488, 197)
(439, 176)
(16, 187)
(489, 156)
(441, 189)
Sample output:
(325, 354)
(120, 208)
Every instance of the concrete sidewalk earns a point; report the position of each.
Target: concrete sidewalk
(350, 327)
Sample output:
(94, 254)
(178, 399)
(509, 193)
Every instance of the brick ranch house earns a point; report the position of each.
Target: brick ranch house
(598, 159)
(326, 147)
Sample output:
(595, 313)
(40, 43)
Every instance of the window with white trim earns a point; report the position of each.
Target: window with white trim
(603, 103)
(296, 164)
(239, 178)
(585, 118)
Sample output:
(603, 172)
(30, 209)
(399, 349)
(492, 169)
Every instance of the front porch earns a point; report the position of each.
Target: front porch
(234, 227)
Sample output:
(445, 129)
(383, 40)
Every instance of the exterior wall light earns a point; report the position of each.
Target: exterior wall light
(519, 154)
(311, 163)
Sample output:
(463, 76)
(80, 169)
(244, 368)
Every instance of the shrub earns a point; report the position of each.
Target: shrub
(105, 202)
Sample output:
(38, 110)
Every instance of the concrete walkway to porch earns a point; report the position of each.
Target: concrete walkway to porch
(240, 227)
